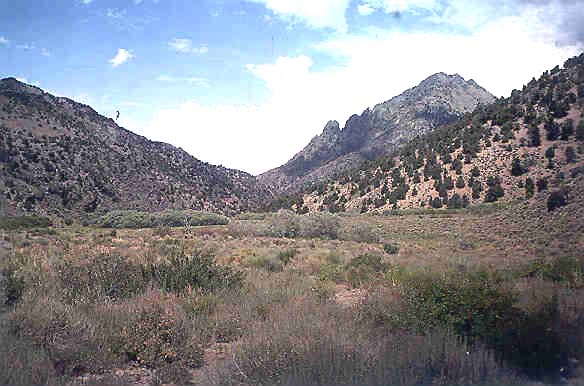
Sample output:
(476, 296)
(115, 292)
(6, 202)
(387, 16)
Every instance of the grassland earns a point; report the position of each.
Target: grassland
(490, 296)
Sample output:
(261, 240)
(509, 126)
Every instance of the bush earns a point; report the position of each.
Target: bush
(22, 222)
(174, 218)
(557, 199)
(307, 344)
(23, 365)
(391, 248)
(12, 286)
(196, 271)
(286, 223)
(565, 269)
(100, 276)
(286, 256)
(479, 307)
(61, 330)
(155, 331)
(265, 262)
(364, 268)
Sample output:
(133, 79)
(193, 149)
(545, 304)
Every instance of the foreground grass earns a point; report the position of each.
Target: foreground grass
(263, 301)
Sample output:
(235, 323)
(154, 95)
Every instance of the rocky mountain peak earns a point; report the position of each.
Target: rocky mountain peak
(439, 99)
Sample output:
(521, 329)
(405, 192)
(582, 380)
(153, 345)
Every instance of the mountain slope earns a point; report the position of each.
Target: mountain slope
(437, 100)
(521, 147)
(58, 156)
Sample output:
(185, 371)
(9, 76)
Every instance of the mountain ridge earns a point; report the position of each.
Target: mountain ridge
(59, 156)
(438, 99)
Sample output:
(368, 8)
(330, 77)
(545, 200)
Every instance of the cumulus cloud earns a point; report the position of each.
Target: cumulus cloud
(185, 46)
(4, 41)
(365, 9)
(318, 14)
(397, 6)
(500, 55)
(121, 57)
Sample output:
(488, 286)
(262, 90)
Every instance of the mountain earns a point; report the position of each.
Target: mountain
(529, 146)
(438, 100)
(58, 156)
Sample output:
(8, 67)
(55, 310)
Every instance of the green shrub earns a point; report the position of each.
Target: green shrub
(23, 364)
(197, 271)
(287, 255)
(12, 286)
(479, 307)
(21, 222)
(310, 344)
(557, 199)
(265, 262)
(564, 269)
(100, 276)
(364, 268)
(391, 248)
(174, 218)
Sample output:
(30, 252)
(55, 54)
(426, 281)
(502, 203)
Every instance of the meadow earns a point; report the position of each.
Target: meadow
(483, 296)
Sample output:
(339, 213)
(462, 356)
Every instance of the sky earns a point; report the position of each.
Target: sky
(247, 83)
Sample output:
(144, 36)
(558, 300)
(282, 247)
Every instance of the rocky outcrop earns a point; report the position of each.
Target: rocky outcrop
(438, 100)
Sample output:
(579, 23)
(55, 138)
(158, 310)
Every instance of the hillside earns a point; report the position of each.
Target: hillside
(437, 100)
(58, 156)
(521, 147)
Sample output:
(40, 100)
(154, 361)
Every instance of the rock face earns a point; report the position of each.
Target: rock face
(58, 156)
(438, 100)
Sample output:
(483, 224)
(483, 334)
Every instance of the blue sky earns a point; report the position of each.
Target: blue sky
(247, 83)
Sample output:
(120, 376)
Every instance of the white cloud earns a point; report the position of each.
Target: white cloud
(501, 54)
(121, 57)
(86, 1)
(365, 9)
(317, 14)
(203, 82)
(185, 46)
(115, 13)
(4, 41)
(394, 6)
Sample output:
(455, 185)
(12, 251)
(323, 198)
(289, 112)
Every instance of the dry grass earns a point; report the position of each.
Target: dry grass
(86, 309)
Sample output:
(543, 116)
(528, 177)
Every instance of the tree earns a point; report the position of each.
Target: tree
(475, 172)
(516, 168)
(437, 203)
(557, 199)
(534, 136)
(570, 155)
(580, 131)
(542, 184)
(460, 182)
(465, 201)
(529, 188)
(550, 153)
(567, 130)
(454, 202)
(553, 130)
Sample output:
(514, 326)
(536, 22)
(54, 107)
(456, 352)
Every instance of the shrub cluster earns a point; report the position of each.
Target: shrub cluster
(21, 222)
(175, 218)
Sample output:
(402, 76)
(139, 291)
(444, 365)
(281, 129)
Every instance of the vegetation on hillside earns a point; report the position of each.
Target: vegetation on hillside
(496, 153)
